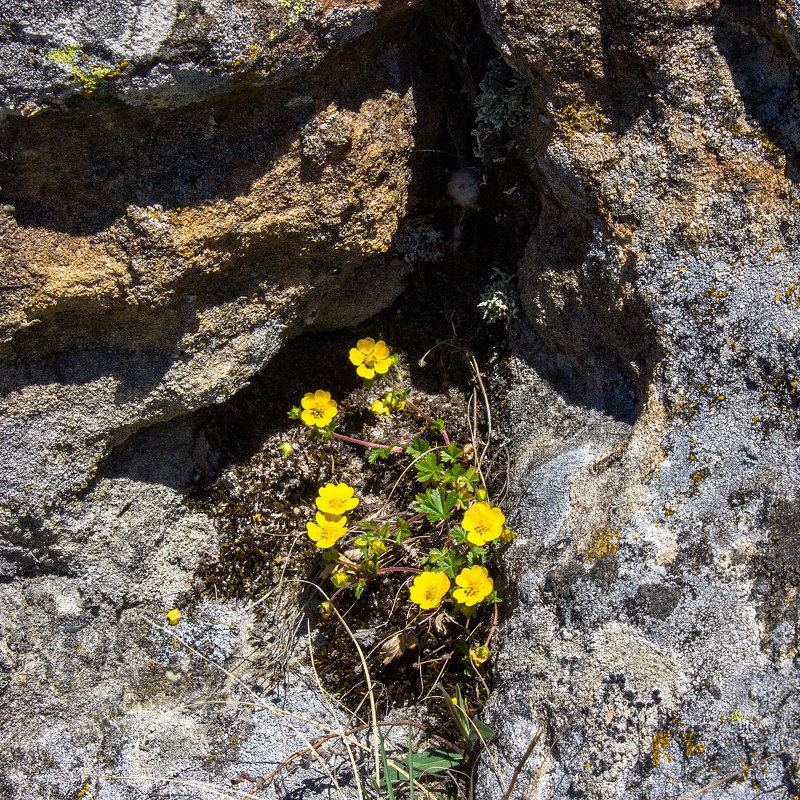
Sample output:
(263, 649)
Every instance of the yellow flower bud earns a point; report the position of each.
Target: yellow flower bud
(379, 548)
(339, 579)
(507, 535)
(174, 616)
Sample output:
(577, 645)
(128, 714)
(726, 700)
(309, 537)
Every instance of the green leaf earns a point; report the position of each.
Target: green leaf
(429, 469)
(476, 555)
(462, 478)
(485, 731)
(387, 780)
(436, 504)
(451, 453)
(418, 447)
(377, 452)
(403, 531)
(448, 560)
(410, 768)
(427, 761)
(459, 534)
(456, 712)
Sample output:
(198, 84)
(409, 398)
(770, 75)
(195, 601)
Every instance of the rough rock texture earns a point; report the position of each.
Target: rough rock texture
(165, 52)
(654, 636)
(160, 238)
(153, 261)
(187, 185)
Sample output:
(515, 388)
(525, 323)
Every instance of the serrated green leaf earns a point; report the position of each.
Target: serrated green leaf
(429, 469)
(436, 504)
(451, 453)
(418, 446)
(377, 452)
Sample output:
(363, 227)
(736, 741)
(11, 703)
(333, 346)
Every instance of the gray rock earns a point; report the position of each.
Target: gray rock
(657, 468)
(164, 52)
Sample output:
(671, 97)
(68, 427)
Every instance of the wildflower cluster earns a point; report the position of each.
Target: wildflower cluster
(451, 508)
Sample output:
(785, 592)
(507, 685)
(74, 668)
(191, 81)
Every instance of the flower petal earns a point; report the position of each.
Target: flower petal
(356, 357)
(366, 346)
(365, 372)
(381, 350)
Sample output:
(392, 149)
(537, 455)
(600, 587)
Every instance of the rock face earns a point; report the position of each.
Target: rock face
(167, 223)
(154, 260)
(654, 636)
(165, 52)
(187, 185)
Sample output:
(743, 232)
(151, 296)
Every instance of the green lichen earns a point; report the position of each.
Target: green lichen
(89, 79)
(503, 103)
(296, 9)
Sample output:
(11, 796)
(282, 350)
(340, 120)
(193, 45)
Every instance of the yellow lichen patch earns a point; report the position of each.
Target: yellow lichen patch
(790, 297)
(690, 743)
(605, 542)
(661, 742)
(584, 118)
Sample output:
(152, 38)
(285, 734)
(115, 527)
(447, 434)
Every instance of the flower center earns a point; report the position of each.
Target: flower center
(369, 361)
(318, 412)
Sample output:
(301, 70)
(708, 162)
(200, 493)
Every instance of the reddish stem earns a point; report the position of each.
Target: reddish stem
(494, 625)
(397, 569)
(429, 418)
(392, 447)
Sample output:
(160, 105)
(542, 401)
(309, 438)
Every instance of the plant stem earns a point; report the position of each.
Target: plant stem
(382, 570)
(494, 626)
(391, 447)
(428, 418)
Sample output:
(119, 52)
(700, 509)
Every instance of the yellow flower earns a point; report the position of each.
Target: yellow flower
(370, 357)
(327, 530)
(379, 407)
(482, 523)
(174, 616)
(379, 548)
(387, 403)
(340, 579)
(318, 408)
(507, 536)
(429, 588)
(479, 655)
(336, 498)
(474, 585)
